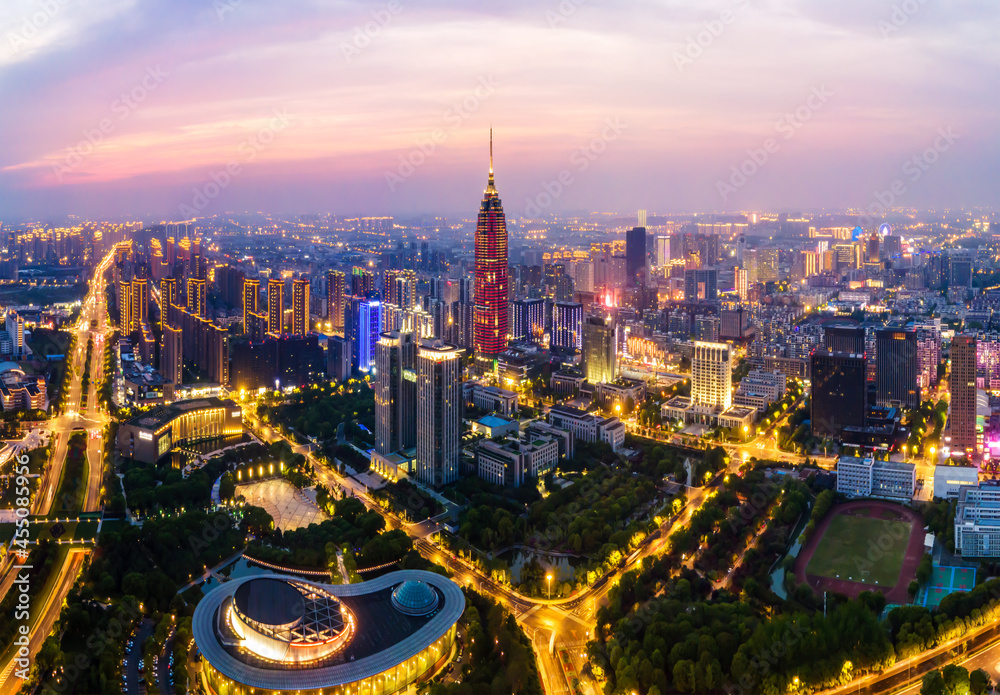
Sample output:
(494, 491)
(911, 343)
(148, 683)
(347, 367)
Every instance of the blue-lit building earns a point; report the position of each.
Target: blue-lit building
(369, 318)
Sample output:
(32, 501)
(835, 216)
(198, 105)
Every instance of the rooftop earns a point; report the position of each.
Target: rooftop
(493, 421)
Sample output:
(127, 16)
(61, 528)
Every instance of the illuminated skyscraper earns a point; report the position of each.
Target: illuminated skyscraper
(567, 326)
(490, 334)
(963, 394)
(439, 408)
(275, 306)
(896, 368)
(711, 375)
(251, 298)
(395, 392)
(369, 317)
(335, 299)
(635, 256)
(600, 350)
(529, 320)
(300, 306)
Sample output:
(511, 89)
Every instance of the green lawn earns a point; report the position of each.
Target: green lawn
(861, 549)
(73, 482)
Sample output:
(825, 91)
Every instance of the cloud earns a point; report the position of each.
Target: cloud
(408, 65)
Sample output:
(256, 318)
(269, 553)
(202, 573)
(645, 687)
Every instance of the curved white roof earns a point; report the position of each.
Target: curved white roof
(203, 628)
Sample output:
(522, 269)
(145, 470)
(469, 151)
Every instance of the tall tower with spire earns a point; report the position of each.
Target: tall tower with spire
(490, 318)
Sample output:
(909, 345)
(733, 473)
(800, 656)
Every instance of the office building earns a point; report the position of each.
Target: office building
(300, 306)
(759, 389)
(529, 320)
(335, 299)
(368, 327)
(600, 349)
(395, 392)
(492, 399)
(868, 477)
(439, 412)
(588, 427)
(977, 521)
(635, 256)
(663, 251)
(338, 358)
(896, 368)
(962, 420)
(849, 339)
(567, 326)
(512, 461)
(701, 284)
(276, 306)
(491, 291)
(711, 375)
(950, 477)
(839, 392)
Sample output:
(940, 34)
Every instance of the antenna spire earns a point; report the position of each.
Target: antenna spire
(491, 158)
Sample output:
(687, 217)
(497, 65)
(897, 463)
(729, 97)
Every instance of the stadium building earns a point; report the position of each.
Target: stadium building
(279, 634)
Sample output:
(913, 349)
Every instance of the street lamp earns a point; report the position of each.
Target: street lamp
(548, 577)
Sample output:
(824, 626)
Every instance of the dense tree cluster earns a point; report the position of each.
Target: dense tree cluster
(150, 562)
(500, 661)
(317, 411)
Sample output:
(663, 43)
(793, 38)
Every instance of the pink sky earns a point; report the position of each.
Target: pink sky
(359, 87)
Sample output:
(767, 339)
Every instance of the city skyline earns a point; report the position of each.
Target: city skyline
(839, 100)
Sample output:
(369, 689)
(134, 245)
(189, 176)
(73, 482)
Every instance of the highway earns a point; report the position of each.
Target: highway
(89, 418)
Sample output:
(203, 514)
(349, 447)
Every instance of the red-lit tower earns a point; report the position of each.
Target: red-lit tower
(490, 331)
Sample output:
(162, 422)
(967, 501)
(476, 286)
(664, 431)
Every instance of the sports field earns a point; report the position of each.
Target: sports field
(861, 549)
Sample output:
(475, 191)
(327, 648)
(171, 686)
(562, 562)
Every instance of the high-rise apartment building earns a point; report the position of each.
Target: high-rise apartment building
(600, 350)
(491, 292)
(300, 306)
(711, 375)
(168, 295)
(197, 297)
(251, 301)
(172, 354)
(963, 395)
(276, 306)
(439, 412)
(335, 299)
(140, 303)
(395, 392)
